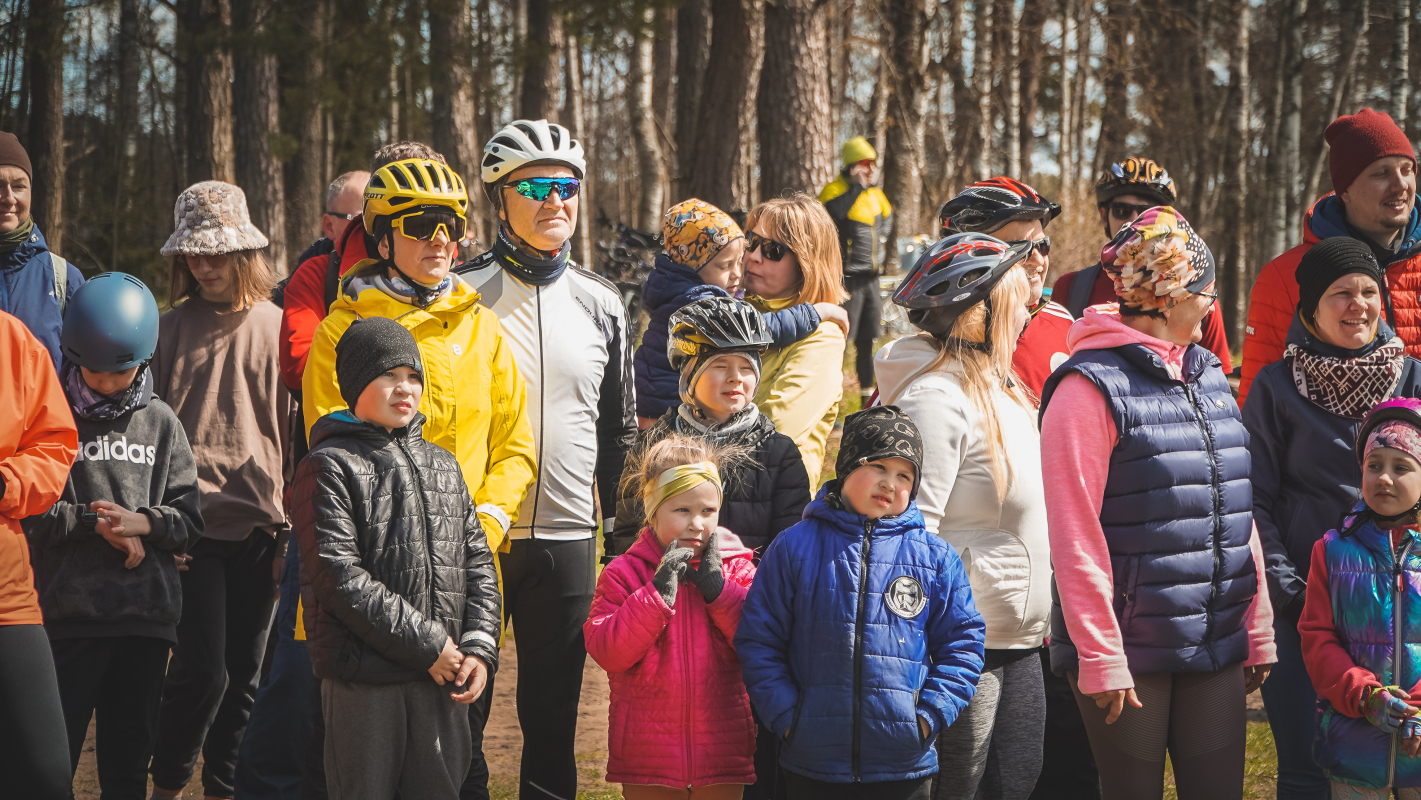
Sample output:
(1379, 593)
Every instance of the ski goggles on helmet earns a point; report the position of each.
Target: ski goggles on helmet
(773, 250)
(539, 188)
(423, 225)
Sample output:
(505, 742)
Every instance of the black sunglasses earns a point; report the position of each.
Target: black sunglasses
(774, 251)
(1127, 211)
(1043, 244)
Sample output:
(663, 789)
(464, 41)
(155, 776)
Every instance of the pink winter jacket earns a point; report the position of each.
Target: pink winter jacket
(679, 713)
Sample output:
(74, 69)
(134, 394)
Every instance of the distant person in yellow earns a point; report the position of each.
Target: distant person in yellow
(860, 211)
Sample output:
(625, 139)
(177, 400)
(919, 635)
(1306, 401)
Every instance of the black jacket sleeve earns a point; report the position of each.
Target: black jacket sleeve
(616, 413)
(483, 606)
(59, 524)
(177, 520)
(791, 486)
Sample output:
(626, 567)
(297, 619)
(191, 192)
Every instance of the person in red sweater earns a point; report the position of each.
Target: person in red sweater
(1373, 169)
(1014, 212)
(1123, 192)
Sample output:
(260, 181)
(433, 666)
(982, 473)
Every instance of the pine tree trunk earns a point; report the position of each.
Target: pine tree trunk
(1064, 160)
(575, 116)
(907, 51)
(1290, 132)
(208, 63)
(45, 29)
(257, 120)
(693, 45)
(1033, 23)
(454, 128)
(306, 177)
(1234, 200)
(796, 142)
(126, 114)
(725, 130)
(1400, 61)
(542, 68)
(964, 102)
(1115, 75)
(982, 80)
(1346, 63)
(651, 173)
(1004, 67)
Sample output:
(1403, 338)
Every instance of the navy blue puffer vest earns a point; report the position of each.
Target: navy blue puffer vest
(1177, 512)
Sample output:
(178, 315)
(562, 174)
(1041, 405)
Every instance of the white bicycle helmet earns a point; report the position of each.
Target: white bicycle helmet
(523, 142)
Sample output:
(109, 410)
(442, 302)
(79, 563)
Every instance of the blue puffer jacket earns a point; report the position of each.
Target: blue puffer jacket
(1177, 512)
(852, 631)
(27, 290)
(1304, 470)
(668, 288)
(1362, 576)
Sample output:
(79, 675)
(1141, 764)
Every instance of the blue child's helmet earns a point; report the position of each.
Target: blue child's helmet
(110, 324)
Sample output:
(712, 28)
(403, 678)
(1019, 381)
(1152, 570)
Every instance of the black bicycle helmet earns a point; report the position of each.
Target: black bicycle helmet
(718, 324)
(987, 205)
(953, 275)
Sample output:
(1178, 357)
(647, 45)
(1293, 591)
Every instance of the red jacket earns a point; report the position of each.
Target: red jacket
(1274, 299)
(1104, 292)
(679, 714)
(305, 304)
(1042, 346)
(37, 447)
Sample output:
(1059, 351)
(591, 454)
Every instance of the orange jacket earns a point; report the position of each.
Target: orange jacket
(1274, 299)
(37, 447)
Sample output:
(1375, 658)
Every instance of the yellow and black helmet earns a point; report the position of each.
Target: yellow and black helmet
(404, 186)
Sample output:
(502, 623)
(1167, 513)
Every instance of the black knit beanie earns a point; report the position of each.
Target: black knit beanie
(1327, 261)
(368, 349)
(880, 432)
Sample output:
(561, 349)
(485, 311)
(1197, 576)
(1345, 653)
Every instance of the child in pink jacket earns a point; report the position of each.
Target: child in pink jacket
(662, 623)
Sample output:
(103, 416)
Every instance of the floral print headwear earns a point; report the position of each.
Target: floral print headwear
(1157, 260)
(694, 231)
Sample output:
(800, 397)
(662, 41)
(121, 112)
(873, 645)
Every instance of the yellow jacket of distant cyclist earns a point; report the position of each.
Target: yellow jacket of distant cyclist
(474, 399)
(861, 215)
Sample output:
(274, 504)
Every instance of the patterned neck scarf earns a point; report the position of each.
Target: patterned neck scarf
(1347, 387)
(743, 420)
(90, 405)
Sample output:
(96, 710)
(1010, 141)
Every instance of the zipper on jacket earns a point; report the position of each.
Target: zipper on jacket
(684, 621)
(542, 421)
(1218, 522)
(423, 518)
(858, 640)
(1398, 559)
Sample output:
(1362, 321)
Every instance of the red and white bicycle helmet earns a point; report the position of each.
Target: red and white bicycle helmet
(987, 205)
(953, 275)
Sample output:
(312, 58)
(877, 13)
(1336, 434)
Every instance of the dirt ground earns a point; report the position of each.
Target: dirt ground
(503, 740)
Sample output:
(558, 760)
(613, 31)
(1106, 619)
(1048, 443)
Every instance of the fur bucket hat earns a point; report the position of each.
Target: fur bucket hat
(210, 219)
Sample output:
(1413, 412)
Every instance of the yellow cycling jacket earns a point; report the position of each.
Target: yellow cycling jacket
(861, 215)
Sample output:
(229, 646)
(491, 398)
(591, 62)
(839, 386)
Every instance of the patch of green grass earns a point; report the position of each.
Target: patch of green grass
(1260, 765)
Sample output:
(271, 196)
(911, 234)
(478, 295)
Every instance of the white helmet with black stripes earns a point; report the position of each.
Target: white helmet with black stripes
(526, 142)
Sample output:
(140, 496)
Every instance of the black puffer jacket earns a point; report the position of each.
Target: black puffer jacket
(393, 559)
(762, 497)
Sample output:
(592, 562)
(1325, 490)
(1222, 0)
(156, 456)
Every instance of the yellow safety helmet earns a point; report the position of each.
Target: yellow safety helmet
(403, 186)
(858, 149)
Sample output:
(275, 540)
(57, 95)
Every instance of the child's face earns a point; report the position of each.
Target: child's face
(725, 270)
(688, 518)
(109, 383)
(1391, 481)
(725, 387)
(879, 488)
(391, 400)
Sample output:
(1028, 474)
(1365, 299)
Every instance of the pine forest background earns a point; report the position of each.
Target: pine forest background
(123, 103)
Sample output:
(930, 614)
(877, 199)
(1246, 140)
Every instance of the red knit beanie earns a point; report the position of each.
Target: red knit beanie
(1360, 139)
(12, 154)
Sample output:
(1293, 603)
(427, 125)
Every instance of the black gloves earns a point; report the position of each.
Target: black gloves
(673, 565)
(709, 577)
(1293, 611)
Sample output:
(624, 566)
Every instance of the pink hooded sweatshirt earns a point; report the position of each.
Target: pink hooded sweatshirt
(1077, 438)
(679, 713)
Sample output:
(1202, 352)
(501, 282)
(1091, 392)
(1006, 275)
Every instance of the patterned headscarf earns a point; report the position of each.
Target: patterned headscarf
(694, 231)
(1157, 260)
(1398, 435)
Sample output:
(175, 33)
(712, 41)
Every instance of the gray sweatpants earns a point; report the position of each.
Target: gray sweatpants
(993, 750)
(406, 737)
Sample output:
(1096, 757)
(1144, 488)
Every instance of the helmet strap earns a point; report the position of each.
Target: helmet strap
(524, 245)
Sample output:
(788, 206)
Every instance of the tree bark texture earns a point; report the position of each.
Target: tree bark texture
(542, 65)
(1234, 199)
(126, 114)
(1115, 75)
(1031, 55)
(1064, 156)
(45, 28)
(907, 54)
(1400, 61)
(575, 116)
(651, 172)
(725, 130)
(257, 98)
(1004, 67)
(796, 141)
(1353, 30)
(306, 176)
(208, 64)
(693, 46)
(1286, 209)
(454, 128)
(982, 81)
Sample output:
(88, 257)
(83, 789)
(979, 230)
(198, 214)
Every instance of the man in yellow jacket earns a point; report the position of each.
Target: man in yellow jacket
(474, 399)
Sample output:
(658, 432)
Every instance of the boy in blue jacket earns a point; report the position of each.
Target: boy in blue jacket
(859, 639)
(702, 258)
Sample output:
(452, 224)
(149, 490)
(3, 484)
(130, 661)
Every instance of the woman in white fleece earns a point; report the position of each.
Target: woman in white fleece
(982, 493)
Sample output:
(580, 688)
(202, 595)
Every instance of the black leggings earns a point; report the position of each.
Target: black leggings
(34, 751)
(865, 309)
(1197, 716)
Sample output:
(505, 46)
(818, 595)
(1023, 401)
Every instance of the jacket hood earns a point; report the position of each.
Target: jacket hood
(668, 282)
(1299, 335)
(344, 423)
(1100, 328)
(365, 299)
(850, 524)
(902, 361)
(1327, 218)
(648, 549)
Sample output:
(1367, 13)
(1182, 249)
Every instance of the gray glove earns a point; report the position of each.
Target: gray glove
(668, 575)
(708, 577)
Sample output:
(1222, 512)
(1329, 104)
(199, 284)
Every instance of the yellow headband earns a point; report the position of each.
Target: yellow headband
(677, 480)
